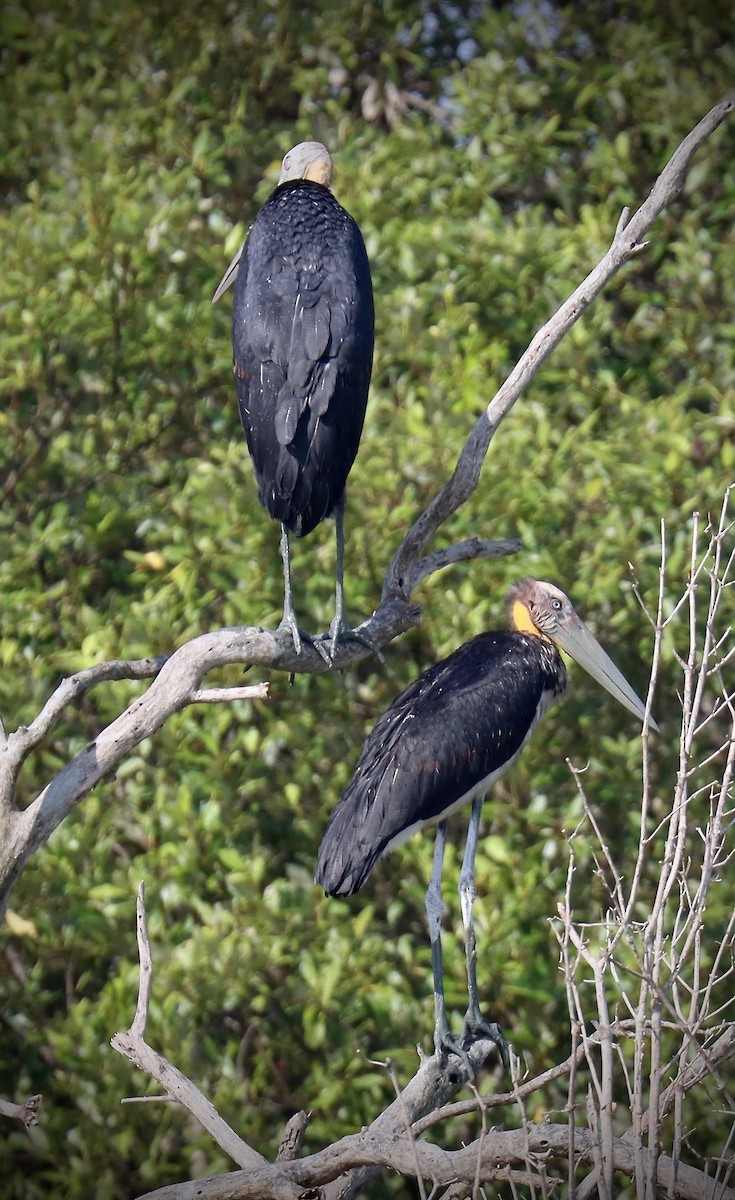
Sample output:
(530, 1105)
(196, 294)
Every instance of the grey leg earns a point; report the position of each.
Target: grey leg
(474, 1023)
(443, 1039)
(288, 621)
(289, 615)
(467, 894)
(434, 914)
(340, 630)
(339, 597)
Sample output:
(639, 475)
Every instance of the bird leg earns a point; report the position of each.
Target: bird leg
(444, 1040)
(288, 621)
(339, 629)
(434, 914)
(475, 1025)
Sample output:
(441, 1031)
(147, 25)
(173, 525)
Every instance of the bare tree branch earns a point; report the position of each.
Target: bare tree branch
(626, 243)
(133, 1045)
(293, 1136)
(665, 950)
(27, 1112)
(15, 748)
(433, 1083)
(499, 1150)
(145, 980)
(523, 1090)
(254, 691)
(393, 1139)
(465, 551)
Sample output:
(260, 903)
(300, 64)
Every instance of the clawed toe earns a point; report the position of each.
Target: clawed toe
(449, 1043)
(301, 638)
(340, 631)
(476, 1027)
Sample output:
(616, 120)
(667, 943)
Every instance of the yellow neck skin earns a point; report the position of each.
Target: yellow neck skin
(319, 172)
(522, 620)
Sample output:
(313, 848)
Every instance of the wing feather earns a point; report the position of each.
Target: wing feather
(462, 721)
(302, 342)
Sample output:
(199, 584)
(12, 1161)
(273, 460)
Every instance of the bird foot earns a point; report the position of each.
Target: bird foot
(446, 1042)
(475, 1028)
(340, 631)
(301, 638)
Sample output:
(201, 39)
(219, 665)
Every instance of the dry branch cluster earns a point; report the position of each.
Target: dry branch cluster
(648, 985)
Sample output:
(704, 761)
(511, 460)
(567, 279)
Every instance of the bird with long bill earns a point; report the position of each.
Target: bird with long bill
(442, 744)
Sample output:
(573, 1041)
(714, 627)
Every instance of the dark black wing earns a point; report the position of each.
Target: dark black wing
(303, 333)
(460, 723)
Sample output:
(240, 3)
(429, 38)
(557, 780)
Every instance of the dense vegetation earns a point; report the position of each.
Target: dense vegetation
(486, 153)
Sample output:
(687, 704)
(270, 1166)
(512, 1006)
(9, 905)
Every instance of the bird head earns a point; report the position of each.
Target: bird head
(308, 160)
(545, 611)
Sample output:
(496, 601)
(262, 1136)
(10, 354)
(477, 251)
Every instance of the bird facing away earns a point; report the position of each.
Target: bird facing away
(442, 744)
(302, 340)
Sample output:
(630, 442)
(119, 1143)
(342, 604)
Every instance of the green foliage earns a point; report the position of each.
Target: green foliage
(140, 141)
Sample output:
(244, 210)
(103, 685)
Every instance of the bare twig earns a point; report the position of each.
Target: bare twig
(132, 1045)
(254, 691)
(145, 982)
(26, 1113)
(15, 747)
(389, 1066)
(680, 965)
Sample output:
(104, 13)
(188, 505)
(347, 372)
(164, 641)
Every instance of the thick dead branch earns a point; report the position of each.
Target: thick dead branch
(15, 748)
(176, 686)
(145, 974)
(433, 1084)
(181, 1089)
(393, 1140)
(498, 1151)
(338, 1170)
(523, 1090)
(293, 1136)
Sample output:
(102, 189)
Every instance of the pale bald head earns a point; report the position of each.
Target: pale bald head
(543, 610)
(308, 160)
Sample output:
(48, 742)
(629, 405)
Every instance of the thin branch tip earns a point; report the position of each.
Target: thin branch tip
(26, 1113)
(145, 981)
